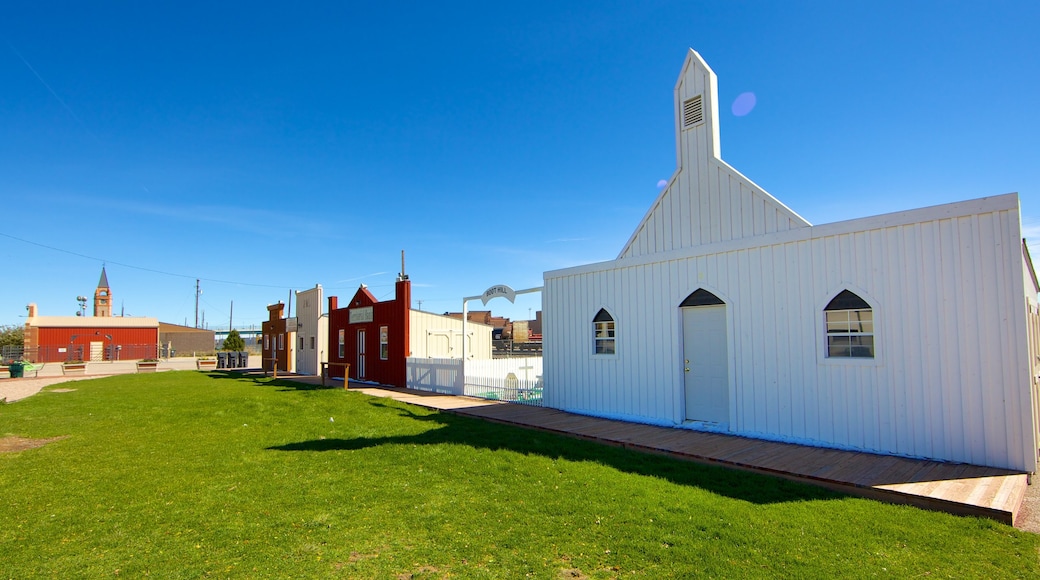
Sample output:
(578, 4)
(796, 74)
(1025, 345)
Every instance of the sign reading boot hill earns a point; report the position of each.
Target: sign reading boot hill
(501, 290)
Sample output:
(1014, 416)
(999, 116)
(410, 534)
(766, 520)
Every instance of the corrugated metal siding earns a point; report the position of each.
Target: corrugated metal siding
(951, 379)
(436, 336)
(136, 342)
(392, 314)
(706, 200)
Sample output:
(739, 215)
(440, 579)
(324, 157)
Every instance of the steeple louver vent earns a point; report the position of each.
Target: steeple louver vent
(693, 112)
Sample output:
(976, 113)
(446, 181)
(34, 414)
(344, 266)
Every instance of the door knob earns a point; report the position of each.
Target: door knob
(687, 369)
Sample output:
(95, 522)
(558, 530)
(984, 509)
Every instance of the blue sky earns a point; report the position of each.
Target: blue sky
(266, 148)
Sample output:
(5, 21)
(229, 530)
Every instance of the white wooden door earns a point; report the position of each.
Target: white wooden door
(360, 354)
(97, 351)
(706, 363)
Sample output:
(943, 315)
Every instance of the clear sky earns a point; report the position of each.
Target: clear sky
(267, 147)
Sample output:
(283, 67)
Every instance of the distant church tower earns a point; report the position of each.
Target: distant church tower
(103, 296)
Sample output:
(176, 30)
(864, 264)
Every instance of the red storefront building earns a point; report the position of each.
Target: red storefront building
(278, 339)
(371, 336)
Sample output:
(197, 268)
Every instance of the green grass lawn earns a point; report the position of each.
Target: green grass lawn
(188, 474)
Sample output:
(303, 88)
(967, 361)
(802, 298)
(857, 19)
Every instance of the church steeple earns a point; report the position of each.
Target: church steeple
(103, 296)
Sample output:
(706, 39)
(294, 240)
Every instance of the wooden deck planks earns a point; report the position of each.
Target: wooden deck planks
(958, 488)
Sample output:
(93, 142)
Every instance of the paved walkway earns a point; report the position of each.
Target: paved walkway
(961, 489)
(955, 488)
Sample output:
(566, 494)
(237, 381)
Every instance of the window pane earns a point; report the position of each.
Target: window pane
(861, 321)
(838, 327)
(837, 321)
(861, 346)
(605, 346)
(866, 318)
(850, 346)
(838, 346)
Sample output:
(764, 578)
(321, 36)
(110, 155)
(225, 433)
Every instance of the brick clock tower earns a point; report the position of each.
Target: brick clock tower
(103, 296)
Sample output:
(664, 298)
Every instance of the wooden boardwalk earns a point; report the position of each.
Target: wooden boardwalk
(955, 488)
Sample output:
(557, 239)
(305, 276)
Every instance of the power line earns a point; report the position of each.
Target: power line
(142, 268)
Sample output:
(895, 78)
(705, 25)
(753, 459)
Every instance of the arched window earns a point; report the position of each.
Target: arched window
(603, 333)
(849, 324)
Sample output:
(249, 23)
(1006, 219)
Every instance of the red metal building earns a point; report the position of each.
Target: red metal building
(89, 338)
(371, 336)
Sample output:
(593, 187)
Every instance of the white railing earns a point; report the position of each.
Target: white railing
(436, 375)
(517, 380)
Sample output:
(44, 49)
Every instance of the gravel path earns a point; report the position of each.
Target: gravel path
(18, 389)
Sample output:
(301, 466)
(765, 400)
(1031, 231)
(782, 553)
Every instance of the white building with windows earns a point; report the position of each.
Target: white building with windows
(912, 333)
(312, 331)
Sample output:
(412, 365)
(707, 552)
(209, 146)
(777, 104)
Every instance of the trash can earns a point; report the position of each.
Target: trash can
(221, 360)
(243, 359)
(17, 369)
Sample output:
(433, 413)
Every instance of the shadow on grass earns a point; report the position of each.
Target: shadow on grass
(479, 434)
(260, 379)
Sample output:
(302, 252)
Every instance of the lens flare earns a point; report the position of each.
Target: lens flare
(743, 104)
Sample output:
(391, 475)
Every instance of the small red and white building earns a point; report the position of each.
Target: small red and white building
(376, 339)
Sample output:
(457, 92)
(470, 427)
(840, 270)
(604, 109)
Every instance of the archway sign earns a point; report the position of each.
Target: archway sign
(496, 291)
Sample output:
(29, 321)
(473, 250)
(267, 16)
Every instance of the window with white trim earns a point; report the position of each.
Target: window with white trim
(849, 327)
(281, 342)
(342, 343)
(603, 332)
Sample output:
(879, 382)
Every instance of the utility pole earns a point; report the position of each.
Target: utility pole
(231, 317)
(197, 292)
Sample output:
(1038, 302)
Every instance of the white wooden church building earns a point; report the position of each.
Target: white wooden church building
(909, 333)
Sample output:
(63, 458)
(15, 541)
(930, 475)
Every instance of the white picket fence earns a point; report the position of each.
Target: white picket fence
(517, 380)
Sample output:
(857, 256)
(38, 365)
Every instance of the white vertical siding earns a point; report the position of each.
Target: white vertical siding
(951, 380)
(311, 325)
(438, 375)
(706, 200)
(436, 336)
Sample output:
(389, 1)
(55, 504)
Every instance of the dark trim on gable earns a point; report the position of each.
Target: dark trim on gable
(701, 297)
